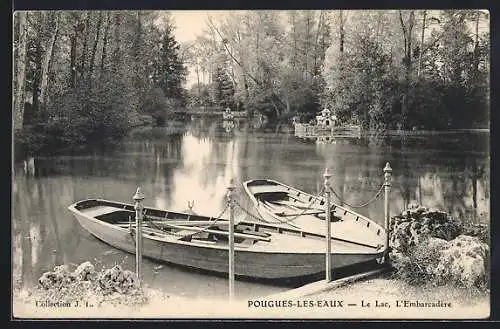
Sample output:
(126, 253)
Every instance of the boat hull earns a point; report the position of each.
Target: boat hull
(263, 265)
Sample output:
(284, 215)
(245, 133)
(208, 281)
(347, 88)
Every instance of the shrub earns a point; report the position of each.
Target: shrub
(28, 141)
(85, 283)
(433, 247)
(416, 223)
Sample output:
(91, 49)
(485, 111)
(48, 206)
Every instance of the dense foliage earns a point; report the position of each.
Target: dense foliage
(86, 78)
(386, 69)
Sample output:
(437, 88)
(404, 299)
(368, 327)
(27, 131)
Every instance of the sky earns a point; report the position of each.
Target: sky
(189, 24)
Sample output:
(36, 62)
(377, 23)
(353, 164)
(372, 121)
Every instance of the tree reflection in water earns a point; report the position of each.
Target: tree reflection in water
(456, 181)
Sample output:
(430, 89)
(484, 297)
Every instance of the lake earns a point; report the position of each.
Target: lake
(449, 172)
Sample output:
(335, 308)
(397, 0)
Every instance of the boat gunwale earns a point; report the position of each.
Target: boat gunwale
(256, 203)
(278, 230)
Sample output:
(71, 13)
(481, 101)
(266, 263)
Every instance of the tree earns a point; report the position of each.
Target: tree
(223, 88)
(170, 73)
(407, 26)
(48, 57)
(82, 75)
(20, 68)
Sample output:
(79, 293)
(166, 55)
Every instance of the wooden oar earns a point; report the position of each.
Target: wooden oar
(198, 229)
(183, 222)
(299, 204)
(239, 235)
(301, 214)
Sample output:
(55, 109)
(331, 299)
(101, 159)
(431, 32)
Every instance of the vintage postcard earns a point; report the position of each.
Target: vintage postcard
(285, 164)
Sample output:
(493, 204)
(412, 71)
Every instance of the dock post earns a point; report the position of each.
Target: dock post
(138, 197)
(328, 267)
(230, 200)
(387, 214)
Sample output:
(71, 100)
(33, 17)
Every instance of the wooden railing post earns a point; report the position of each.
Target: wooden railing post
(328, 240)
(387, 214)
(230, 200)
(138, 198)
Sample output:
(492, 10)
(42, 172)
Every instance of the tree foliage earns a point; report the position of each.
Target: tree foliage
(380, 68)
(169, 72)
(437, 82)
(85, 78)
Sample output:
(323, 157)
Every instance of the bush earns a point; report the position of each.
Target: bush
(415, 267)
(82, 117)
(113, 285)
(416, 223)
(433, 247)
(27, 142)
(481, 231)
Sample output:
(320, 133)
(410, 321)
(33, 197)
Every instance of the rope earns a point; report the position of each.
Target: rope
(249, 213)
(363, 204)
(306, 209)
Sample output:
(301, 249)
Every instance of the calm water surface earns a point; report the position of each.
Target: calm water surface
(448, 172)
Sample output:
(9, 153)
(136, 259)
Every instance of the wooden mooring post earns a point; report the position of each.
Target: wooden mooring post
(138, 197)
(387, 213)
(328, 265)
(230, 200)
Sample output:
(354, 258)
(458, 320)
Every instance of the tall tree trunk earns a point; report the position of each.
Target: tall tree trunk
(21, 72)
(306, 52)
(475, 59)
(137, 51)
(341, 31)
(117, 50)
(243, 67)
(94, 48)
(197, 70)
(50, 71)
(294, 57)
(407, 62)
(287, 102)
(73, 60)
(105, 43)
(377, 29)
(77, 30)
(49, 51)
(421, 44)
(257, 51)
(83, 59)
(37, 78)
(315, 67)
